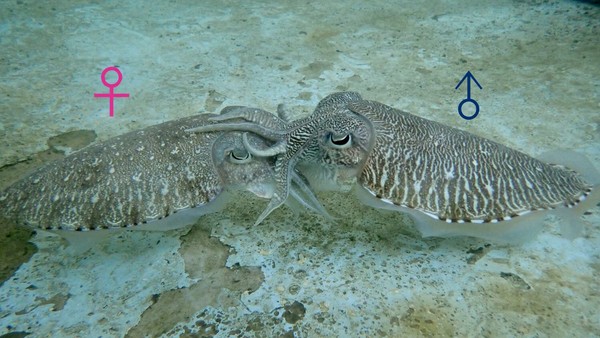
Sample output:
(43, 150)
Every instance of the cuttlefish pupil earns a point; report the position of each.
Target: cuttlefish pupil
(340, 142)
(240, 156)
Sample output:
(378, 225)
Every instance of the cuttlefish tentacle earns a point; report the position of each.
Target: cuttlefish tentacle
(299, 141)
(301, 191)
(257, 176)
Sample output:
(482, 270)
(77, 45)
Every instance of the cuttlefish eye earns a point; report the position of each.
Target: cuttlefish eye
(239, 156)
(340, 142)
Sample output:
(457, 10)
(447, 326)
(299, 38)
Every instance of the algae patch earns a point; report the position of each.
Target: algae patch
(71, 141)
(14, 248)
(216, 286)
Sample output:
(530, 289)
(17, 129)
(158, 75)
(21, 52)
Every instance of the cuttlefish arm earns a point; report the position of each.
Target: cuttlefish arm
(334, 136)
(271, 128)
(256, 115)
(259, 121)
(301, 191)
(255, 174)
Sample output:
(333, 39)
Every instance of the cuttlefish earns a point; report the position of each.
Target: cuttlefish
(337, 141)
(158, 173)
(452, 182)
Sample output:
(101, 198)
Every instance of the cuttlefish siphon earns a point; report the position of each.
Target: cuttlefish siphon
(133, 180)
(451, 182)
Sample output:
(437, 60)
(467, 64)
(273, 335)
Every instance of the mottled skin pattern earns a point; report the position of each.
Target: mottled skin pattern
(399, 158)
(136, 178)
(454, 175)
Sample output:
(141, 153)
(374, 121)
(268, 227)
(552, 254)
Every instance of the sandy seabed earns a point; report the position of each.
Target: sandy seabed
(368, 273)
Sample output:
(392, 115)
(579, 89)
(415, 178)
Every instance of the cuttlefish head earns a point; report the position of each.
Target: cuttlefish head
(238, 169)
(329, 147)
(341, 144)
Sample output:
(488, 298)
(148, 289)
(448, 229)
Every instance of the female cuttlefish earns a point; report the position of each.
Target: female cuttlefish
(157, 178)
(451, 182)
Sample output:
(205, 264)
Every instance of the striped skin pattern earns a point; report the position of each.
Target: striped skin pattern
(136, 178)
(455, 176)
(450, 181)
(327, 147)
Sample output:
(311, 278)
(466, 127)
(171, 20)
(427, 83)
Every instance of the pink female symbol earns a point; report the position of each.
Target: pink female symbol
(111, 86)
